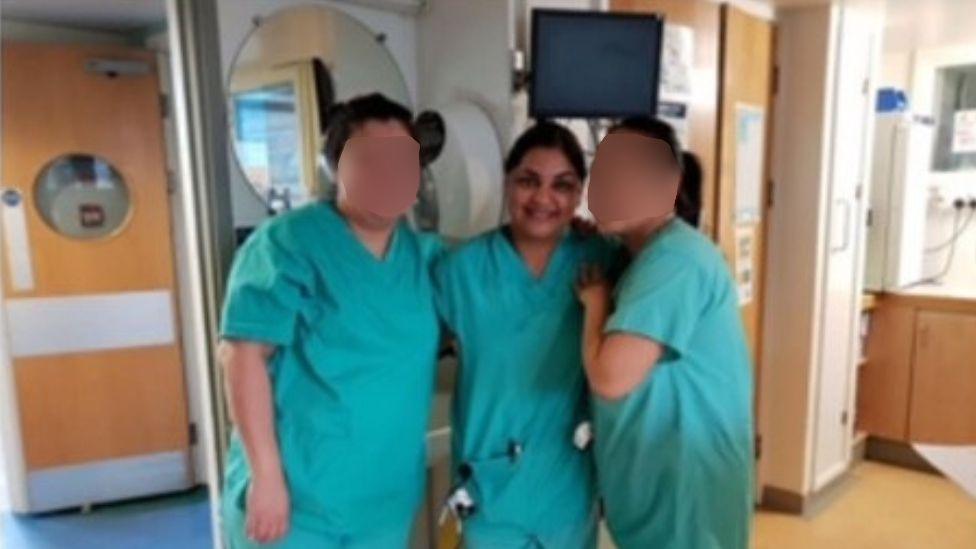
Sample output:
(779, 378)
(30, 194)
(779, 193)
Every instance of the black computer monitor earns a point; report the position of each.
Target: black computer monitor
(588, 64)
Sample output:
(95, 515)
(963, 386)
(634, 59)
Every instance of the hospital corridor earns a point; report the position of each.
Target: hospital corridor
(432, 274)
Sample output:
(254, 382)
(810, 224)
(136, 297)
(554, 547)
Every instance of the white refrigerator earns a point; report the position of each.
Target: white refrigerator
(899, 192)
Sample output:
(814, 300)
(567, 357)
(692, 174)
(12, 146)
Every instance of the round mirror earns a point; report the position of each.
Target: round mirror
(291, 68)
(82, 196)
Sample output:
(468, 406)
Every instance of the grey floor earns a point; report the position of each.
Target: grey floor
(180, 521)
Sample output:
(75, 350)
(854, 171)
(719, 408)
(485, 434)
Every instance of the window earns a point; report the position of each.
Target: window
(269, 143)
(83, 197)
(955, 109)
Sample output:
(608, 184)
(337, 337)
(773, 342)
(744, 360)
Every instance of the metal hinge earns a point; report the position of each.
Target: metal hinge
(193, 434)
(774, 83)
(759, 441)
(844, 417)
(866, 86)
(771, 185)
(164, 105)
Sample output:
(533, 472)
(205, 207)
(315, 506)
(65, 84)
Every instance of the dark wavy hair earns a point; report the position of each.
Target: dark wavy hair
(345, 118)
(655, 128)
(548, 135)
(689, 203)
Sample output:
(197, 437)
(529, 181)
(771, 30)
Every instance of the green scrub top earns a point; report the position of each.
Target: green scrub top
(521, 391)
(675, 456)
(352, 377)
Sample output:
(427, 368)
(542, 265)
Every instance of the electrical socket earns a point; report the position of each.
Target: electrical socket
(972, 202)
(959, 203)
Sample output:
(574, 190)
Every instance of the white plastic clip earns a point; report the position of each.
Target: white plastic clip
(583, 435)
(460, 504)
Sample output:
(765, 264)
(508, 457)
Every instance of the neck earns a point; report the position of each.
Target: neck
(638, 237)
(373, 234)
(535, 252)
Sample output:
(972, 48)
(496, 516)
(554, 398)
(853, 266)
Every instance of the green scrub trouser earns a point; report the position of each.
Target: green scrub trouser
(298, 537)
(580, 536)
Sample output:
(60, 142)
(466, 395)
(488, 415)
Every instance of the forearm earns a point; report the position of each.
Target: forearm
(615, 364)
(252, 407)
(594, 319)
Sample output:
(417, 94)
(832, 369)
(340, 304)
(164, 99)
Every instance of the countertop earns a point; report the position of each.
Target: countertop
(932, 296)
(934, 290)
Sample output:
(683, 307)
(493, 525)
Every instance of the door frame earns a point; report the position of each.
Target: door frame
(200, 116)
(849, 19)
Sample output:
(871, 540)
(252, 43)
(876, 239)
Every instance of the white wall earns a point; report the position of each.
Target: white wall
(470, 63)
(39, 32)
(922, 25)
(794, 286)
(235, 22)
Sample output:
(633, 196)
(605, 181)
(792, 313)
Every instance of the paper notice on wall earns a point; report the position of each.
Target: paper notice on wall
(964, 132)
(677, 61)
(750, 146)
(745, 252)
(675, 87)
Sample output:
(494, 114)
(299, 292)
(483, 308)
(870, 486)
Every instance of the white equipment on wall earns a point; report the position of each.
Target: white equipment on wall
(468, 174)
(899, 191)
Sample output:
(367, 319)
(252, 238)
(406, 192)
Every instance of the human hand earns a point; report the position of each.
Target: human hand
(268, 508)
(592, 288)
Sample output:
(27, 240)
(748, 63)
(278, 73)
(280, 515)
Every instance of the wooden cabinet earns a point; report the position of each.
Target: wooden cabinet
(919, 381)
(884, 384)
(943, 407)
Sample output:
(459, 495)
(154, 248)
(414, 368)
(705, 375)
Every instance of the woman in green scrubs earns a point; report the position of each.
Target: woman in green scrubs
(507, 297)
(329, 346)
(672, 383)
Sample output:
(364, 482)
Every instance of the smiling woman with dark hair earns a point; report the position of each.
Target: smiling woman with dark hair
(507, 296)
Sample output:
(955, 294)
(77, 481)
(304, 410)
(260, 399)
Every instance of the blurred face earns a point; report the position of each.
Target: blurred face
(634, 181)
(542, 194)
(379, 172)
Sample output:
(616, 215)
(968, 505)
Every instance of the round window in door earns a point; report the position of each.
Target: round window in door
(82, 196)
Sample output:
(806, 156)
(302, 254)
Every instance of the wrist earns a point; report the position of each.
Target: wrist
(270, 471)
(596, 308)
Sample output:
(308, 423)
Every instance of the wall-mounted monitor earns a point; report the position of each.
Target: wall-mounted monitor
(588, 64)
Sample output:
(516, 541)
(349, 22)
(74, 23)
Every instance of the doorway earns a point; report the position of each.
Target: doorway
(102, 397)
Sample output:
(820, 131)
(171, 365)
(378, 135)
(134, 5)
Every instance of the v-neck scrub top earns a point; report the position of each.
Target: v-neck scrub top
(356, 339)
(674, 457)
(521, 391)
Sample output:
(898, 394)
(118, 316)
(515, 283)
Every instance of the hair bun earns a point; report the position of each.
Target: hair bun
(336, 111)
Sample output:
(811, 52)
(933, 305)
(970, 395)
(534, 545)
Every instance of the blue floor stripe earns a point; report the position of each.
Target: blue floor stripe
(181, 521)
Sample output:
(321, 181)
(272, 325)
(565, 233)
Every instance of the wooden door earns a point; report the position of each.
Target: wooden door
(702, 17)
(885, 383)
(89, 277)
(746, 84)
(944, 382)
